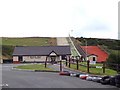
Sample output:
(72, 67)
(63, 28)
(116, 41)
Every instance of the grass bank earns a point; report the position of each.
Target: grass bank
(8, 44)
(33, 67)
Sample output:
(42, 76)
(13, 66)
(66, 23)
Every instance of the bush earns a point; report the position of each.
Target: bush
(7, 50)
(114, 60)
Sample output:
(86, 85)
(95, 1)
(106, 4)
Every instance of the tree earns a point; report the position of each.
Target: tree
(114, 60)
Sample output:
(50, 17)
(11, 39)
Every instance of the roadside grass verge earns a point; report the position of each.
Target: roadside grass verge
(34, 67)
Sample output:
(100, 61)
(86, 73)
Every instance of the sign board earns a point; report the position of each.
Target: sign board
(92, 62)
(98, 66)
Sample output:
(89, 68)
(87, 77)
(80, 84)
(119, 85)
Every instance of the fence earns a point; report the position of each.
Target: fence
(99, 68)
(113, 66)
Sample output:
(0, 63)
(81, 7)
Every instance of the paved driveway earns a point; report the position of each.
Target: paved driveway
(26, 79)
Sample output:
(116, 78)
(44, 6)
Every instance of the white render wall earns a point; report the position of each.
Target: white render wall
(34, 58)
(37, 58)
(91, 58)
(1, 60)
(15, 58)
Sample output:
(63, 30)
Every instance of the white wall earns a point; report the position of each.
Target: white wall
(1, 60)
(37, 58)
(34, 58)
(91, 57)
(15, 58)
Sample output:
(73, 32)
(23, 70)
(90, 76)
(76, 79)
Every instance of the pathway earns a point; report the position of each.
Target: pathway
(62, 41)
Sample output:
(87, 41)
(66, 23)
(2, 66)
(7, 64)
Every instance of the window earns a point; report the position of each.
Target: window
(35, 57)
(31, 57)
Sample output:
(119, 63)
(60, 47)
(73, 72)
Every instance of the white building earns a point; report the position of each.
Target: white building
(40, 53)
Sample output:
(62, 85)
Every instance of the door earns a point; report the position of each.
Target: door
(53, 58)
(94, 59)
(20, 58)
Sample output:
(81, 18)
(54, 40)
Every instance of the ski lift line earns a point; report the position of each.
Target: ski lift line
(73, 51)
(74, 46)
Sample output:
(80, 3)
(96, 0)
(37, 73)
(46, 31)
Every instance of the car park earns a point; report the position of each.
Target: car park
(66, 73)
(112, 81)
(105, 80)
(117, 80)
(83, 76)
(96, 79)
(73, 74)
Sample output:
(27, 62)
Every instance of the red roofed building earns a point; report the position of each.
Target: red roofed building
(95, 53)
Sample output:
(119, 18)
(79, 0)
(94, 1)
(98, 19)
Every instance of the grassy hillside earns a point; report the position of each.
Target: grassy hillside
(8, 44)
(111, 46)
(38, 41)
(108, 44)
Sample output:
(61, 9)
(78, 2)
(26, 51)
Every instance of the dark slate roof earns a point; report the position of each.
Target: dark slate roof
(41, 50)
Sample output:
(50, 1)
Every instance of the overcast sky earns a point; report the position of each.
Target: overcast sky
(57, 18)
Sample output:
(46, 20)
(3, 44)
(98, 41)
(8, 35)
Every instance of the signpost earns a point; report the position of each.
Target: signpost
(99, 67)
(92, 62)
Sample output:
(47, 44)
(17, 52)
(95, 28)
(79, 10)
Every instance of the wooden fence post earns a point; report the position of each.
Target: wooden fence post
(88, 62)
(46, 62)
(69, 62)
(117, 67)
(66, 62)
(103, 67)
(77, 64)
(60, 65)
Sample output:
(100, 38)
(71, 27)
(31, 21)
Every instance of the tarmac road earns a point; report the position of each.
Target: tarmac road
(28, 79)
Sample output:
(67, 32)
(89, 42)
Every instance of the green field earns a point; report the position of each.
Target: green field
(30, 41)
(85, 63)
(33, 67)
(8, 44)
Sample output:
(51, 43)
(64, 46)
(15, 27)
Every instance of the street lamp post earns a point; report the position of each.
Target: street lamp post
(85, 49)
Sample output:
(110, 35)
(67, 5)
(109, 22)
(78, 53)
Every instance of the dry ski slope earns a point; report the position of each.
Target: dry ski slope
(62, 41)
